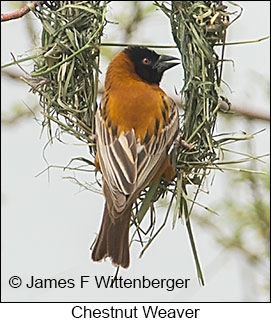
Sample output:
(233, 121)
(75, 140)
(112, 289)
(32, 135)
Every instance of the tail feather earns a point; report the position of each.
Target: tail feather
(113, 239)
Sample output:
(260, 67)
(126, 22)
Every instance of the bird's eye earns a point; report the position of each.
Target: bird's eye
(146, 61)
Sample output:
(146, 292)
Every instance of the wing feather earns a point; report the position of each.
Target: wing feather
(127, 165)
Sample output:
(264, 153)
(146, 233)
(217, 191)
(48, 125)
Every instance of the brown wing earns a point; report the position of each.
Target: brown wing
(127, 165)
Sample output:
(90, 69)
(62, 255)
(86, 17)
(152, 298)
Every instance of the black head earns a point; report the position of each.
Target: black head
(149, 65)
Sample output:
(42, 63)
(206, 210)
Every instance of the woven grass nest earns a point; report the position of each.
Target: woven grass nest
(66, 74)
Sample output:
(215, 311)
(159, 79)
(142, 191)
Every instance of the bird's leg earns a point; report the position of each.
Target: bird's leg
(187, 145)
(176, 144)
(174, 151)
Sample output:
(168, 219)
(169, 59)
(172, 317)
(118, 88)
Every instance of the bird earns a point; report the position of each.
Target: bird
(136, 123)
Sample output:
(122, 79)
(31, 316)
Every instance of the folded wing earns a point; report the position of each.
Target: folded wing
(127, 165)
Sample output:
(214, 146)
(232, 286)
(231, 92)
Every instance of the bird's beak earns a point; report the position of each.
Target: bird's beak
(163, 63)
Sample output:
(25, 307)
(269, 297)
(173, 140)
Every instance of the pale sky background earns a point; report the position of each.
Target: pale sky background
(48, 226)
